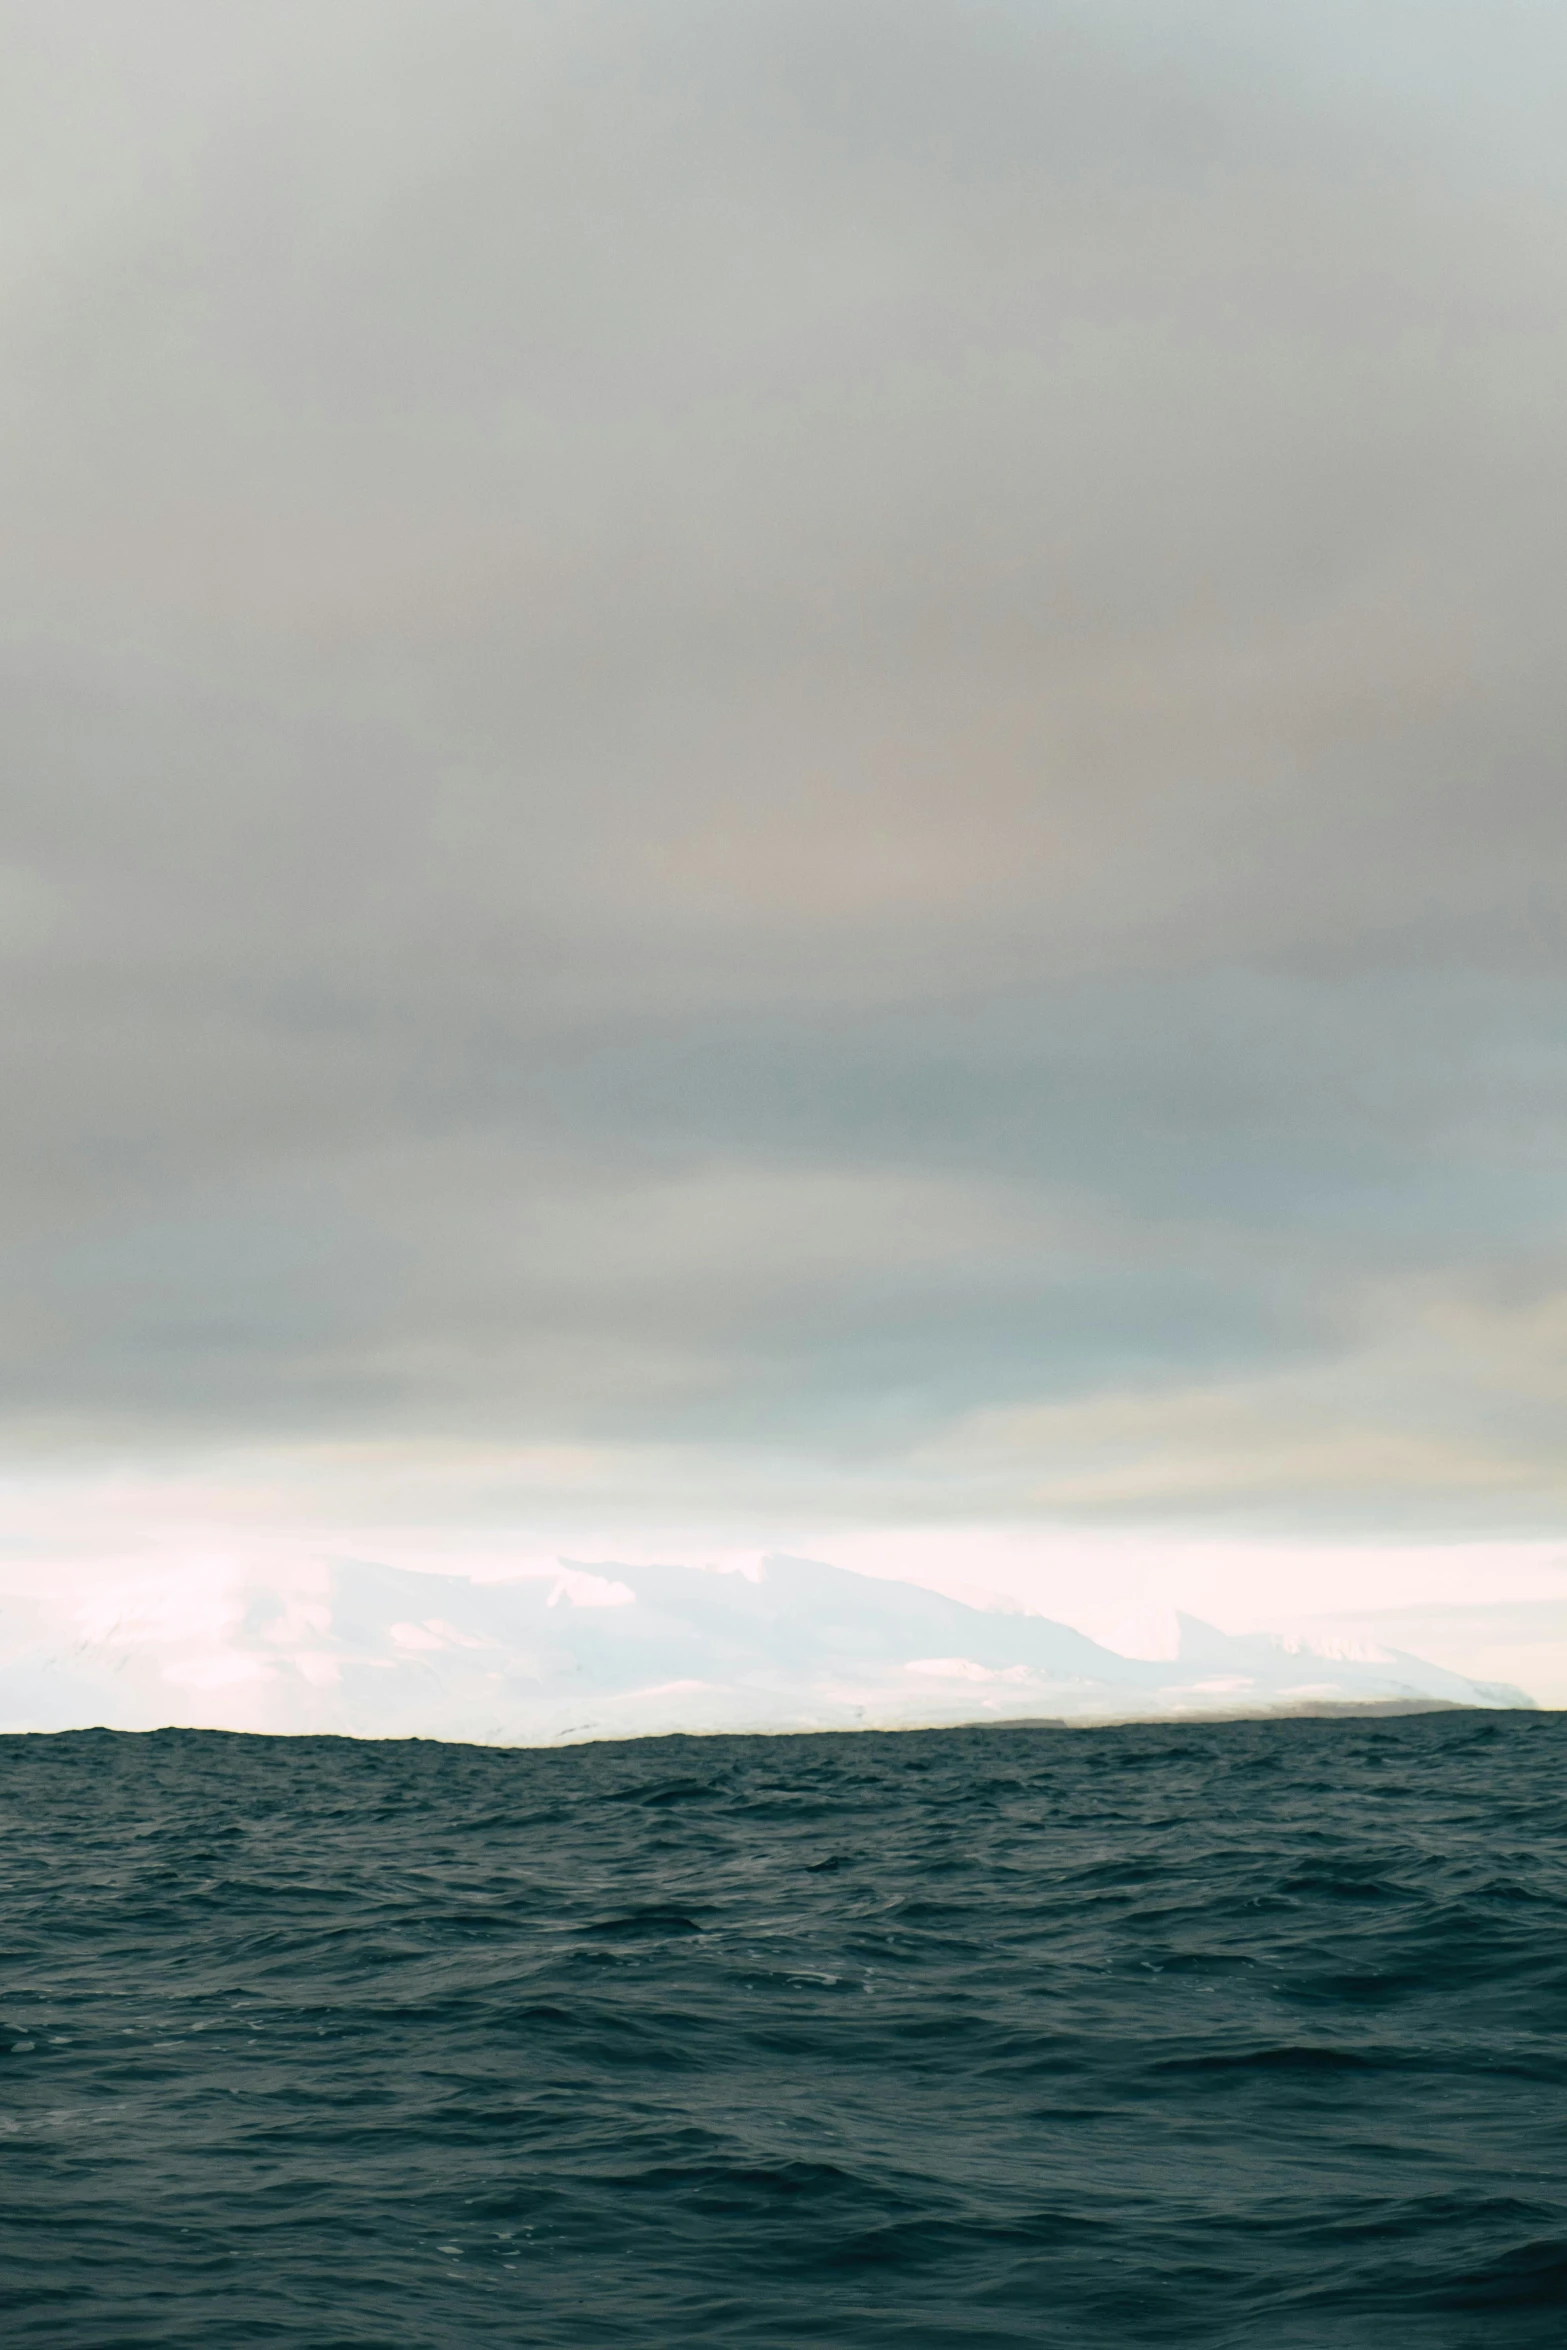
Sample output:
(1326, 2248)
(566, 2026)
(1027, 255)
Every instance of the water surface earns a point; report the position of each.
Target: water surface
(1236, 2035)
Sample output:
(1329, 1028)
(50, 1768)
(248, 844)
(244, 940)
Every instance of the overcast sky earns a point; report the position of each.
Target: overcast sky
(789, 764)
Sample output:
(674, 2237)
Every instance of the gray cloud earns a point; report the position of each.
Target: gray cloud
(778, 725)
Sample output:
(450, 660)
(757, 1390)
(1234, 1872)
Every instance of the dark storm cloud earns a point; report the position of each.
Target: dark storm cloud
(768, 719)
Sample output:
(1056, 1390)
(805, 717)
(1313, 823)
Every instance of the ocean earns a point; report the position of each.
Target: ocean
(1242, 2034)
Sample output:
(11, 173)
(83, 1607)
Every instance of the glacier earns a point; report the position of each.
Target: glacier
(602, 1650)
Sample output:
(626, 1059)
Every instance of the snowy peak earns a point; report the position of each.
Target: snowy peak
(1278, 1667)
(602, 1650)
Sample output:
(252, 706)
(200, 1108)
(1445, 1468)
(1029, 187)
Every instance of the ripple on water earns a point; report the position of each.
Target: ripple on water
(1232, 2036)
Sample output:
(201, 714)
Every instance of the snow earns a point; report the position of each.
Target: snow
(603, 1650)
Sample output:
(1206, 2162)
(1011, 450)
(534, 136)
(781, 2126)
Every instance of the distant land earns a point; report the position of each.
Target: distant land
(603, 1650)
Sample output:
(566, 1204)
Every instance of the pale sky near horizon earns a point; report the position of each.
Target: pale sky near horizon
(790, 776)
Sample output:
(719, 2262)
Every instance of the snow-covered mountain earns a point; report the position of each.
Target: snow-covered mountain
(608, 1651)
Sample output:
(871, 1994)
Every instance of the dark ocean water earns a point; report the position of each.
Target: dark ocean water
(1251, 2034)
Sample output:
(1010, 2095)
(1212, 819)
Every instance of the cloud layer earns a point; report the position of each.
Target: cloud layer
(818, 744)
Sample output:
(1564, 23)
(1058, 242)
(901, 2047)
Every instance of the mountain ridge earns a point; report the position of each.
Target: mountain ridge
(605, 1650)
